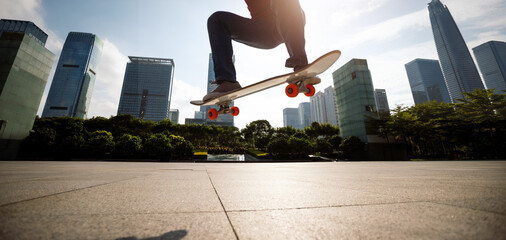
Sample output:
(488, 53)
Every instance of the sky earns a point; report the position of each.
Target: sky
(388, 33)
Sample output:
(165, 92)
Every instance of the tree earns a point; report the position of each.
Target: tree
(258, 133)
(352, 145)
(181, 149)
(100, 144)
(157, 146)
(128, 145)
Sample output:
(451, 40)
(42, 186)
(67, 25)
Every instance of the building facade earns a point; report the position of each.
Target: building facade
(147, 88)
(380, 96)
(291, 117)
(25, 64)
(354, 93)
(224, 119)
(491, 58)
(174, 116)
(457, 65)
(74, 78)
(323, 107)
(426, 81)
(304, 112)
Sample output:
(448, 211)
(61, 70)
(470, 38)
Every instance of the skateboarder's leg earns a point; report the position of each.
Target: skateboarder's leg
(223, 27)
(291, 22)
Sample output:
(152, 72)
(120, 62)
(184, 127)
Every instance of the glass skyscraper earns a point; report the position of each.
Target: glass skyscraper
(458, 67)
(304, 114)
(291, 117)
(147, 88)
(491, 58)
(427, 81)
(355, 98)
(74, 79)
(25, 64)
(381, 100)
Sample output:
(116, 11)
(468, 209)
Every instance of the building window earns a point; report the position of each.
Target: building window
(353, 75)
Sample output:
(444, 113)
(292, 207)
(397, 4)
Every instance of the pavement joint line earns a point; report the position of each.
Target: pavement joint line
(222, 206)
(69, 191)
(332, 206)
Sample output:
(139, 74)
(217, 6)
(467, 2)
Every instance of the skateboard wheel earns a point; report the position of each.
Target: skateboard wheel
(311, 91)
(292, 90)
(212, 114)
(235, 111)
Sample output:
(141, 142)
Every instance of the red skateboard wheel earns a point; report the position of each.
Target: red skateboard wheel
(212, 114)
(292, 90)
(311, 89)
(235, 111)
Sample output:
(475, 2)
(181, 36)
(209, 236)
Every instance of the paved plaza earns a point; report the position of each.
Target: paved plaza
(333, 200)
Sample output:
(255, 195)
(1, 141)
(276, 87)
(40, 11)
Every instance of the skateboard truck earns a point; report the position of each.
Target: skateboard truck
(224, 109)
(297, 85)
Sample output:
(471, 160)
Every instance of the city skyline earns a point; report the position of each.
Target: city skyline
(400, 30)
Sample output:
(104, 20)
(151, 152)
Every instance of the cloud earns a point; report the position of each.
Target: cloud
(107, 90)
(182, 94)
(347, 11)
(387, 30)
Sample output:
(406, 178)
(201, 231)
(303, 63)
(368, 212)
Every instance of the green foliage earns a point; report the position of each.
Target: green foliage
(258, 133)
(181, 149)
(128, 146)
(352, 145)
(157, 146)
(471, 128)
(100, 144)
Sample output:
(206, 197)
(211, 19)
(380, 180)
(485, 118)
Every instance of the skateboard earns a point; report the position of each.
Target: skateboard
(297, 83)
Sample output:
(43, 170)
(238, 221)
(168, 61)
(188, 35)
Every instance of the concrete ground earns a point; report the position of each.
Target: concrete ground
(335, 200)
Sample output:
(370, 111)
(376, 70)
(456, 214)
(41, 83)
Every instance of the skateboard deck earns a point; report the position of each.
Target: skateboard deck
(296, 80)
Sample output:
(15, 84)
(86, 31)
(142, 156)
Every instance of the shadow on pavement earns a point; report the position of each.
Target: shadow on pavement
(174, 235)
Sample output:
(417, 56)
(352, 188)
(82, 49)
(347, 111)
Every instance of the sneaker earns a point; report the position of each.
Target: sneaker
(222, 89)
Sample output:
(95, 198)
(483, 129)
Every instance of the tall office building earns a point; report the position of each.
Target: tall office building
(427, 81)
(380, 96)
(222, 120)
(355, 98)
(147, 88)
(25, 64)
(174, 115)
(323, 107)
(458, 67)
(491, 58)
(304, 115)
(317, 103)
(330, 106)
(74, 79)
(291, 117)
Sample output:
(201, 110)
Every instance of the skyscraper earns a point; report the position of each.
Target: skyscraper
(355, 98)
(291, 117)
(427, 81)
(318, 107)
(147, 88)
(491, 58)
(459, 70)
(323, 107)
(72, 86)
(174, 115)
(304, 115)
(25, 64)
(381, 100)
(330, 106)
(222, 120)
